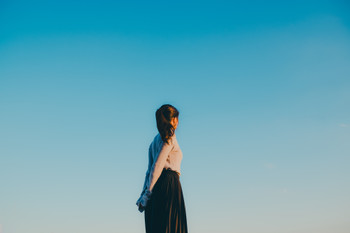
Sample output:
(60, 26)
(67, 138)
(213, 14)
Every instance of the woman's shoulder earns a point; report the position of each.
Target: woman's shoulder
(157, 139)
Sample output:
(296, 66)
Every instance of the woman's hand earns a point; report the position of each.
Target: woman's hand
(142, 201)
(141, 207)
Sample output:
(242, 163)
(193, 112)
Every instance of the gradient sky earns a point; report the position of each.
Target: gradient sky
(263, 90)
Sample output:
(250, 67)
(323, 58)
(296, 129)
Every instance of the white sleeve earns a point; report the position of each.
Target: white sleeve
(145, 194)
(150, 163)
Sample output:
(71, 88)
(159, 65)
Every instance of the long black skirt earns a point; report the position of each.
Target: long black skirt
(165, 211)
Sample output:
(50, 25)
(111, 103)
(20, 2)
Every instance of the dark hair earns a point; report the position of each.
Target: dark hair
(164, 115)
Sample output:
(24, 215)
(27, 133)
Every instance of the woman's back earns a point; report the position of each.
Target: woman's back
(175, 156)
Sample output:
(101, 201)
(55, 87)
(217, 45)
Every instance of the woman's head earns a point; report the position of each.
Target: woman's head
(167, 120)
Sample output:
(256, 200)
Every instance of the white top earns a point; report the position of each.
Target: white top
(160, 155)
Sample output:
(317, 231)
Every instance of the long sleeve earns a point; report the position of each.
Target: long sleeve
(145, 195)
(150, 163)
(155, 167)
(159, 164)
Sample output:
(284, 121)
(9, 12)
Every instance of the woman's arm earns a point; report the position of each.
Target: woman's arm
(150, 162)
(154, 174)
(142, 201)
(158, 166)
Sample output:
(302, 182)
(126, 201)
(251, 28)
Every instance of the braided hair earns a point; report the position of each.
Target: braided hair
(164, 116)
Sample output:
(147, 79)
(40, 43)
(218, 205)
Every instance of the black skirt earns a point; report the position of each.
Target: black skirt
(165, 211)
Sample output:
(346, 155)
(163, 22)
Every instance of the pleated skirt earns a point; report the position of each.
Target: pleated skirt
(165, 211)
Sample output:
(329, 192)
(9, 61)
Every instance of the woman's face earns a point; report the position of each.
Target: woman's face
(175, 122)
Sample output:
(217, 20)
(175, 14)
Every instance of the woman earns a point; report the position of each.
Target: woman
(162, 197)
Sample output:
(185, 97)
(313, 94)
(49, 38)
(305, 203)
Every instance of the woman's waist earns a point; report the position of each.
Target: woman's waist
(169, 169)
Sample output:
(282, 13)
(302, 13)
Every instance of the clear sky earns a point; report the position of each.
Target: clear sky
(263, 90)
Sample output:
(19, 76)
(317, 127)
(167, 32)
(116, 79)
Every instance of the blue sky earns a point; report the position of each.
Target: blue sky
(263, 91)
